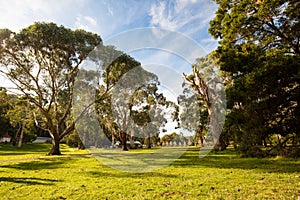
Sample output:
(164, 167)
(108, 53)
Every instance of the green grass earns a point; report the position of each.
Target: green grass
(30, 174)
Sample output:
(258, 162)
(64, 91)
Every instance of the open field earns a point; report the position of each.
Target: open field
(30, 174)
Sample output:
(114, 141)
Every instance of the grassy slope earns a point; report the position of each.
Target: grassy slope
(29, 174)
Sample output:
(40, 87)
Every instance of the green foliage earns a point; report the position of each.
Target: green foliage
(174, 137)
(84, 106)
(259, 53)
(127, 100)
(4, 107)
(16, 118)
(154, 140)
(73, 140)
(194, 115)
(22, 119)
(148, 110)
(112, 69)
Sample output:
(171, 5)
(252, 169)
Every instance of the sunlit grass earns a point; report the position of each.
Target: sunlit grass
(78, 175)
(138, 160)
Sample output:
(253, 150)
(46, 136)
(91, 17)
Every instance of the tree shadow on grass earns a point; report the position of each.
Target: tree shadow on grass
(130, 175)
(230, 160)
(9, 150)
(29, 148)
(29, 180)
(220, 160)
(38, 165)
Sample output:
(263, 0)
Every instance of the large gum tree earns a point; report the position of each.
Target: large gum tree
(42, 62)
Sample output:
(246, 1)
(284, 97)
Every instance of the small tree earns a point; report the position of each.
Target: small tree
(21, 117)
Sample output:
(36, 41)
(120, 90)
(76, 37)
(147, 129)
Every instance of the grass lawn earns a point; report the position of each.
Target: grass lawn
(30, 174)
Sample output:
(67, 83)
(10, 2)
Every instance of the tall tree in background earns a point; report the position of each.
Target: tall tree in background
(259, 51)
(207, 85)
(194, 115)
(42, 61)
(83, 103)
(113, 65)
(125, 97)
(150, 110)
(94, 90)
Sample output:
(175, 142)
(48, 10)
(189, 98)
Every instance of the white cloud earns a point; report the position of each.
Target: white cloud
(110, 10)
(188, 16)
(16, 14)
(181, 4)
(87, 23)
(91, 20)
(162, 18)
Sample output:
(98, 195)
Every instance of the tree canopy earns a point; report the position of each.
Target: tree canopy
(259, 53)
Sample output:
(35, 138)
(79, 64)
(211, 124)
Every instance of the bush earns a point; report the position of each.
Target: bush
(73, 140)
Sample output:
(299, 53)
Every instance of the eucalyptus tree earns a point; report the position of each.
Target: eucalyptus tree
(87, 128)
(207, 84)
(138, 108)
(194, 115)
(125, 96)
(150, 110)
(42, 61)
(113, 64)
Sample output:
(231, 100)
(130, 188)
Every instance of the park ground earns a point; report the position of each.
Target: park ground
(28, 173)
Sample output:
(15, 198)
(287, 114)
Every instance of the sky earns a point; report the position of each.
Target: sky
(188, 19)
(165, 36)
(111, 17)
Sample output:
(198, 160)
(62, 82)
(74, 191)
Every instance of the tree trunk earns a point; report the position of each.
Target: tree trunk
(215, 129)
(132, 146)
(123, 140)
(21, 135)
(199, 133)
(112, 140)
(15, 139)
(149, 141)
(217, 145)
(55, 147)
(80, 146)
